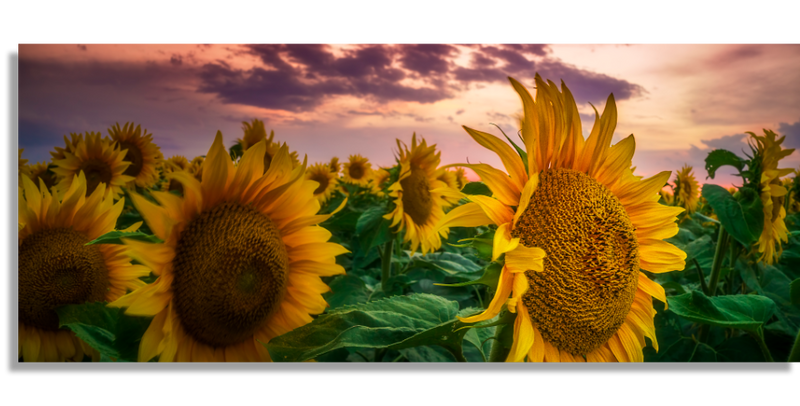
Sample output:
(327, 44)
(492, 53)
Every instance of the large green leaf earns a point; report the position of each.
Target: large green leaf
(347, 290)
(395, 323)
(108, 330)
(745, 312)
(742, 218)
(448, 263)
(115, 237)
(372, 229)
(721, 157)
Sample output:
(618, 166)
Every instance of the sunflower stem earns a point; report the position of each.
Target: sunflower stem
(759, 337)
(794, 356)
(719, 256)
(701, 276)
(499, 352)
(386, 265)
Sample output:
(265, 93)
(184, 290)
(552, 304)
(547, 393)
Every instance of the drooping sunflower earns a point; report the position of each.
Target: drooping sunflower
(577, 227)
(334, 165)
(688, 194)
(240, 263)
(56, 267)
(769, 151)
(70, 145)
(101, 161)
(254, 133)
(420, 197)
(326, 179)
(142, 153)
(40, 171)
(357, 171)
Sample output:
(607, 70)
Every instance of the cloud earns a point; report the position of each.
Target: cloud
(792, 133)
(82, 47)
(733, 143)
(176, 60)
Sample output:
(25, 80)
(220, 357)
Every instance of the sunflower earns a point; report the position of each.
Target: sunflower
(357, 171)
(240, 263)
(255, 133)
(40, 171)
(334, 165)
(577, 227)
(769, 151)
(101, 161)
(449, 178)
(326, 179)
(461, 178)
(70, 143)
(420, 197)
(668, 198)
(56, 267)
(23, 169)
(196, 167)
(176, 163)
(378, 182)
(688, 189)
(142, 153)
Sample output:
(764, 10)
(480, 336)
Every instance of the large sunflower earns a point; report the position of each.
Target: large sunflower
(357, 171)
(321, 173)
(57, 268)
(577, 228)
(142, 153)
(241, 260)
(101, 161)
(688, 189)
(254, 133)
(768, 149)
(420, 197)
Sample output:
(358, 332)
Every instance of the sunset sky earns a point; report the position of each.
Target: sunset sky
(679, 101)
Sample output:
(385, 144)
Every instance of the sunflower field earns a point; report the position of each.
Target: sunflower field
(563, 254)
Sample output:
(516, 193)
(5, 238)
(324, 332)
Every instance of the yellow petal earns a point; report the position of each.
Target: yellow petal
(498, 212)
(523, 336)
(468, 215)
(524, 259)
(500, 296)
(652, 288)
(511, 160)
(502, 241)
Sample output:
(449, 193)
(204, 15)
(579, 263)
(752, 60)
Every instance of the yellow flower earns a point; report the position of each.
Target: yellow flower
(667, 196)
(57, 268)
(768, 149)
(176, 163)
(335, 166)
(142, 153)
(378, 182)
(255, 133)
(196, 167)
(240, 263)
(688, 189)
(23, 169)
(576, 229)
(420, 197)
(357, 171)
(461, 178)
(449, 178)
(40, 171)
(70, 143)
(100, 160)
(326, 179)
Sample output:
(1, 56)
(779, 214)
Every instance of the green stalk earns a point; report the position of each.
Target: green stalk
(763, 346)
(701, 276)
(499, 353)
(794, 356)
(719, 256)
(386, 264)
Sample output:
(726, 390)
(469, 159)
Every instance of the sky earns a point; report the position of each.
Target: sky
(679, 101)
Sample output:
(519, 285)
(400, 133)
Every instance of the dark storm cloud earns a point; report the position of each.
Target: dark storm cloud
(427, 59)
(733, 143)
(176, 60)
(792, 133)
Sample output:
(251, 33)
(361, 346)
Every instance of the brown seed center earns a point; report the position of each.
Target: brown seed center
(134, 156)
(57, 268)
(356, 171)
(417, 200)
(229, 274)
(590, 276)
(96, 172)
(323, 182)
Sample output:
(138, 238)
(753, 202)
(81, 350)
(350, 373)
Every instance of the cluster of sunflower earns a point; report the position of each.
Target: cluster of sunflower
(250, 254)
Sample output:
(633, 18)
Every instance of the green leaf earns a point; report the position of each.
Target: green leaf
(745, 312)
(395, 323)
(346, 290)
(448, 263)
(795, 291)
(115, 237)
(372, 229)
(743, 218)
(720, 157)
(476, 188)
(490, 277)
(106, 329)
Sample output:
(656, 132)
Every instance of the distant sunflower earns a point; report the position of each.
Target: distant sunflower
(142, 153)
(70, 145)
(196, 167)
(668, 198)
(461, 178)
(23, 169)
(688, 189)
(176, 163)
(378, 182)
(101, 161)
(419, 197)
(240, 263)
(448, 176)
(40, 171)
(321, 174)
(577, 227)
(357, 171)
(254, 133)
(56, 267)
(769, 151)
(335, 166)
